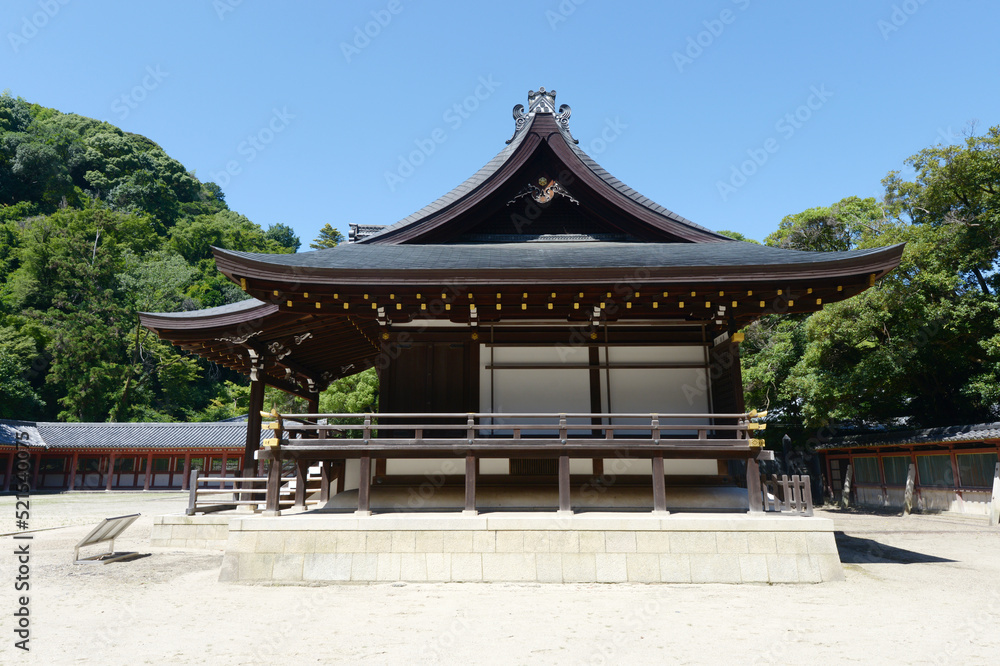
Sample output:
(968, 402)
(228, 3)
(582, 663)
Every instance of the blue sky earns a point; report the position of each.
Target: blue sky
(300, 115)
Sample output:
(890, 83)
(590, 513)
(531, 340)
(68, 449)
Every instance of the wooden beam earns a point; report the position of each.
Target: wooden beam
(273, 487)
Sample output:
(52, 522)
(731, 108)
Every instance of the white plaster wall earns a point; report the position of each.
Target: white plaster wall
(627, 466)
(426, 466)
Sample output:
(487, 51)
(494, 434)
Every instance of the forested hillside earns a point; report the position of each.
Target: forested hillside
(97, 224)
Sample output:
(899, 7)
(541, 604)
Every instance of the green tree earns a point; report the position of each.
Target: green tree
(328, 237)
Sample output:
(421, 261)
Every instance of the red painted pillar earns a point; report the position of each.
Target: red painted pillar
(111, 471)
(185, 484)
(10, 471)
(149, 471)
(72, 470)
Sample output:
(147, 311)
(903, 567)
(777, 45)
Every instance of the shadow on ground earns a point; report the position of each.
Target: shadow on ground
(855, 550)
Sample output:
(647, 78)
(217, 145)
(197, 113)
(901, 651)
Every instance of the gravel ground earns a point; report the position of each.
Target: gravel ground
(919, 589)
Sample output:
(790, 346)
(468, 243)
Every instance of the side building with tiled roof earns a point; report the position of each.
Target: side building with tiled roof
(953, 467)
(117, 456)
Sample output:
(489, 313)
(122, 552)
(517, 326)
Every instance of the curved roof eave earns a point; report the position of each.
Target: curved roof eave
(247, 310)
(384, 263)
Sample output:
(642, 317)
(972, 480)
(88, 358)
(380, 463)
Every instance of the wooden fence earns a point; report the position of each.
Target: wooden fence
(232, 491)
(787, 494)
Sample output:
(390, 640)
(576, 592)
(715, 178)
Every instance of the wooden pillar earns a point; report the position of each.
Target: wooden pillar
(225, 458)
(995, 499)
(754, 493)
(564, 501)
(341, 475)
(111, 471)
(301, 474)
(380, 467)
(185, 484)
(659, 486)
(253, 427)
(470, 484)
(325, 472)
(149, 471)
(273, 487)
(10, 471)
(72, 470)
(312, 403)
(364, 486)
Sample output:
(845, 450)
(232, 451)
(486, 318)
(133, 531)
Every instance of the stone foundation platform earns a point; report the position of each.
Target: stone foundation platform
(204, 531)
(531, 547)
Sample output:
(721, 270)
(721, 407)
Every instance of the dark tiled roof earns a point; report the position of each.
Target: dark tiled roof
(12, 431)
(119, 436)
(965, 433)
(520, 256)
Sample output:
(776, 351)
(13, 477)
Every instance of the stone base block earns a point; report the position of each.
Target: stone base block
(531, 547)
(207, 532)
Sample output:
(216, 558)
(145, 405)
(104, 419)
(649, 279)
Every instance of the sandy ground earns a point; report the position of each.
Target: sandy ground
(922, 589)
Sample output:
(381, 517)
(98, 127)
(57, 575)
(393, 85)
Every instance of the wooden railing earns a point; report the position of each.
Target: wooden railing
(245, 491)
(303, 439)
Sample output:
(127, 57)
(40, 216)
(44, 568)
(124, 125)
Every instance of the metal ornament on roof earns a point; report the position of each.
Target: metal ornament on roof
(543, 101)
(543, 191)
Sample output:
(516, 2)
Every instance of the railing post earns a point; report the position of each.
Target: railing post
(563, 432)
(192, 493)
(807, 496)
(755, 495)
(793, 501)
(470, 484)
(654, 429)
(364, 486)
(470, 425)
(367, 432)
(564, 500)
(659, 485)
